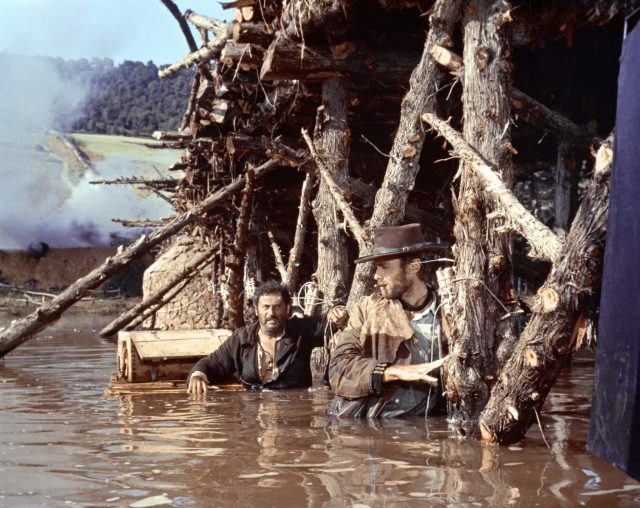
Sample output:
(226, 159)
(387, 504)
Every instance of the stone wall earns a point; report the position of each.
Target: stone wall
(192, 307)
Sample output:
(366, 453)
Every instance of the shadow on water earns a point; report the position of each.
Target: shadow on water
(63, 443)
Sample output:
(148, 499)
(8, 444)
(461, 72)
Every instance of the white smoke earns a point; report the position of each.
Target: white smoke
(40, 199)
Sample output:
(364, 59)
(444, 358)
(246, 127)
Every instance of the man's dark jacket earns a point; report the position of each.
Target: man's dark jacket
(237, 355)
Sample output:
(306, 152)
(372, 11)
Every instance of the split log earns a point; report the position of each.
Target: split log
(332, 142)
(549, 338)
(209, 52)
(544, 243)
(23, 329)
(482, 251)
(192, 267)
(528, 108)
(403, 166)
(235, 262)
(359, 234)
(141, 223)
(288, 60)
(295, 254)
(171, 136)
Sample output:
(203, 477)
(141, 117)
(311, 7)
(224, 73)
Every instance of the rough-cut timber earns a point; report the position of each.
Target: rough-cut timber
(544, 243)
(482, 252)
(332, 143)
(403, 166)
(557, 321)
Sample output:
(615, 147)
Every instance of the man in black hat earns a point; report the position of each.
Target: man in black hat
(381, 363)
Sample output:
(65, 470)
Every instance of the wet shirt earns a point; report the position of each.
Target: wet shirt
(411, 399)
(237, 357)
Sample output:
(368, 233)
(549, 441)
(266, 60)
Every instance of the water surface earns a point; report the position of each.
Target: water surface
(64, 443)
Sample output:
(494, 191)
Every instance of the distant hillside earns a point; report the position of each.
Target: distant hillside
(96, 96)
(130, 99)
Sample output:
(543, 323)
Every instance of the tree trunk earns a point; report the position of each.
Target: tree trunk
(483, 255)
(403, 166)
(558, 321)
(295, 254)
(332, 142)
(235, 263)
(564, 188)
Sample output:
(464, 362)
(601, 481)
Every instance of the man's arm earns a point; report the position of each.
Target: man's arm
(214, 368)
(413, 373)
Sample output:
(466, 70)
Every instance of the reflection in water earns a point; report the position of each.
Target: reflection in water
(62, 442)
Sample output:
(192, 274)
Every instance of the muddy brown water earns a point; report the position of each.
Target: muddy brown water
(63, 443)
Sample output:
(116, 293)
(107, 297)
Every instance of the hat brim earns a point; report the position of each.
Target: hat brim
(404, 252)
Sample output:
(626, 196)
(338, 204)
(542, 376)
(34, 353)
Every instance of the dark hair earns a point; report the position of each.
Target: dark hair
(272, 287)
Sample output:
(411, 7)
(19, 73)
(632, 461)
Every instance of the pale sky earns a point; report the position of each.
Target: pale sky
(139, 30)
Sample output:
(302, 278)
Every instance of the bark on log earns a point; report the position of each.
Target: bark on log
(300, 18)
(123, 320)
(333, 143)
(403, 166)
(359, 234)
(23, 329)
(531, 110)
(544, 243)
(247, 56)
(235, 262)
(483, 254)
(252, 33)
(295, 254)
(209, 52)
(277, 257)
(565, 188)
(550, 334)
(203, 22)
(286, 60)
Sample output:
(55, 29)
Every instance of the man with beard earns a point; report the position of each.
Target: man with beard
(272, 353)
(381, 362)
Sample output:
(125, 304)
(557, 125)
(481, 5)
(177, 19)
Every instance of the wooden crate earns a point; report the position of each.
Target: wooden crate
(164, 355)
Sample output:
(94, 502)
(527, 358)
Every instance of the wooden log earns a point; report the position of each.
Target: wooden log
(482, 251)
(247, 56)
(209, 52)
(175, 12)
(287, 60)
(149, 313)
(550, 331)
(123, 320)
(23, 329)
(295, 254)
(277, 257)
(332, 143)
(203, 22)
(544, 243)
(528, 108)
(258, 33)
(235, 262)
(300, 19)
(359, 234)
(401, 172)
(566, 184)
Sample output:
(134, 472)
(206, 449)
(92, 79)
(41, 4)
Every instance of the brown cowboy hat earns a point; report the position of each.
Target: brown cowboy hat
(399, 241)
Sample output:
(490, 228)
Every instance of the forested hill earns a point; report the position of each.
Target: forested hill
(99, 97)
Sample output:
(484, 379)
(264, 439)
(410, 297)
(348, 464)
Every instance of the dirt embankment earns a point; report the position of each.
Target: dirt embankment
(56, 269)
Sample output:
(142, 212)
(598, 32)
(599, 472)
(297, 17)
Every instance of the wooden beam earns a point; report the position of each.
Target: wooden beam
(544, 243)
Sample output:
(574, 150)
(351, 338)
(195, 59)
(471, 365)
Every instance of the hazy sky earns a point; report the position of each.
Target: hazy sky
(140, 30)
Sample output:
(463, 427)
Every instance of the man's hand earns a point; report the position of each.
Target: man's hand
(338, 315)
(197, 386)
(415, 373)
